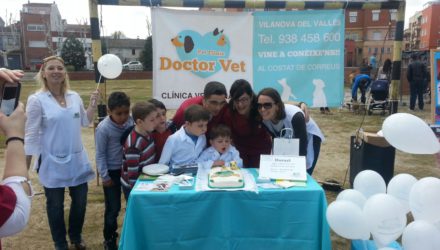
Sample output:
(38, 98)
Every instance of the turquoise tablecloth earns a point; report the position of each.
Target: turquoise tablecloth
(292, 218)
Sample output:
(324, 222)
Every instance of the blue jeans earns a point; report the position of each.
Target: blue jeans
(55, 213)
(112, 197)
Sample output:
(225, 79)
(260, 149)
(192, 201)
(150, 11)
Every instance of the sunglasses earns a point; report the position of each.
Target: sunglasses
(266, 105)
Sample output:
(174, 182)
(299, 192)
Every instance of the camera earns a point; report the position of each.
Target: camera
(10, 95)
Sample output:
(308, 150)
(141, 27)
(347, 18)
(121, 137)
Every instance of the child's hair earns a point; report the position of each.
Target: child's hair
(195, 113)
(158, 104)
(140, 110)
(118, 99)
(220, 130)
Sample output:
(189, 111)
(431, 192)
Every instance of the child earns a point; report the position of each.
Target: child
(221, 150)
(163, 129)
(185, 146)
(109, 160)
(139, 149)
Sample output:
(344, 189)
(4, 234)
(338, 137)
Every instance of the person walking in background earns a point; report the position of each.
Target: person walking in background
(53, 135)
(416, 75)
(373, 62)
(248, 134)
(15, 189)
(385, 70)
(109, 161)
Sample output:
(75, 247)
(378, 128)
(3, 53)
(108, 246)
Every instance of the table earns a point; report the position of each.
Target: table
(291, 218)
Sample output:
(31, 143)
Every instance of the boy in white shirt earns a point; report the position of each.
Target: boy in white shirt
(221, 151)
(185, 146)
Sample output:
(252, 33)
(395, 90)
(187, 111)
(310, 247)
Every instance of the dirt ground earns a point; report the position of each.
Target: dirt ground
(333, 164)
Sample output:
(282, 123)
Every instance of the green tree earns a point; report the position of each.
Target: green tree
(72, 53)
(147, 54)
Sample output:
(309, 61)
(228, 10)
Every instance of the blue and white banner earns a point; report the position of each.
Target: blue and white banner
(300, 53)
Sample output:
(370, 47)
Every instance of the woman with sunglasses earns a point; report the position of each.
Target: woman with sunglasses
(277, 116)
(248, 135)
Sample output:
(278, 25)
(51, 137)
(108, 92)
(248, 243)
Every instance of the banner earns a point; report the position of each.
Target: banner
(300, 53)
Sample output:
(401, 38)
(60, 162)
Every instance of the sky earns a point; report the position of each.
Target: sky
(131, 20)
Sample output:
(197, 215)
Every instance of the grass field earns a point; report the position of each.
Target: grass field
(333, 163)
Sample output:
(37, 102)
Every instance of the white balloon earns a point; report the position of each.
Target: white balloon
(353, 196)
(347, 220)
(369, 183)
(424, 199)
(110, 66)
(399, 187)
(410, 134)
(385, 218)
(421, 234)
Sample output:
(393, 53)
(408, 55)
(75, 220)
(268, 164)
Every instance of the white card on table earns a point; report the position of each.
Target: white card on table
(286, 167)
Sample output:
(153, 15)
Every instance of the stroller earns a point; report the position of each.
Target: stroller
(379, 93)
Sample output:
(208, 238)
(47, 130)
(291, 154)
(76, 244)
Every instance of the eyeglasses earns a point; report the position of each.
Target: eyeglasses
(266, 105)
(243, 100)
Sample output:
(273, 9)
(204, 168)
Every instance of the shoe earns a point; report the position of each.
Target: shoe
(110, 244)
(80, 245)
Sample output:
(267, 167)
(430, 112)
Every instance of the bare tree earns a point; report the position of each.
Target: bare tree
(11, 38)
(149, 27)
(118, 35)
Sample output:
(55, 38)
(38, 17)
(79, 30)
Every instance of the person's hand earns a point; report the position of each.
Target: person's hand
(108, 183)
(13, 125)
(218, 163)
(7, 75)
(304, 108)
(94, 98)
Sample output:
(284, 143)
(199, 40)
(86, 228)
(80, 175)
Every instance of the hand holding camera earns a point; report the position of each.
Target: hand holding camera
(10, 90)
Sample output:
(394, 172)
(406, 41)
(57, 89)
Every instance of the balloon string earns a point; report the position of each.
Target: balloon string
(97, 88)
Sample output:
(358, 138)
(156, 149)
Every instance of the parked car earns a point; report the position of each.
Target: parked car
(133, 65)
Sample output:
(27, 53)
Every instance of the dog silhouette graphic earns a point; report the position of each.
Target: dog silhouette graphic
(319, 99)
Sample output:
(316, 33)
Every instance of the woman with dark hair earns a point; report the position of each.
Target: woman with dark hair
(277, 116)
(385, 70)
(248, 135)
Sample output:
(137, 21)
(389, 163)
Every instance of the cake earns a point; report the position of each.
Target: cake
(225, 177)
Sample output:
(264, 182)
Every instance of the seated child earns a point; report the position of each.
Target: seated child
(185, 146)
(221, 150)
(163, 129)
(139, 149)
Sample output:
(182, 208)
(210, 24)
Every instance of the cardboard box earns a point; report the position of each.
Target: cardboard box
(374, 139)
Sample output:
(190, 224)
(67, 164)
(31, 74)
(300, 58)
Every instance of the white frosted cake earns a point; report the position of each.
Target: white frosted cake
(225, 177)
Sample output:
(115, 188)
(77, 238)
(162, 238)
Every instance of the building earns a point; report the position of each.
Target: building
(411, 35)
(430, 26)
(126, 49)
(372, 32)
(43, 33)
(10, 45)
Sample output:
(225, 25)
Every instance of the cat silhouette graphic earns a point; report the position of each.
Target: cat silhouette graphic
(287, 90)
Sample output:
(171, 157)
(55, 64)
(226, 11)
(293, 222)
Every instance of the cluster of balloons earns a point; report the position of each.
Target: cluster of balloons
(109, 66)
(373, 208)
